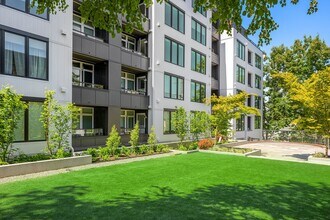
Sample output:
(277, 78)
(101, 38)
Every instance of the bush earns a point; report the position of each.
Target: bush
(165, 149)
(3, 163)
(22, 158)
(113, 141)
(125, 151)
(193, 146)
(104, 153)
(319, 155)
(144, 149)
(182, 147)
(61, 153)
(135, 135)
(93, 152)
(205, 144)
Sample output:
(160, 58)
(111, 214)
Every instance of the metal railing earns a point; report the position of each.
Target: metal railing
(293, 136)
(136, 92)
(88, 85)
(88, 132)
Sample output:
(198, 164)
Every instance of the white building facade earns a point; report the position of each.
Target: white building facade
(241, 69)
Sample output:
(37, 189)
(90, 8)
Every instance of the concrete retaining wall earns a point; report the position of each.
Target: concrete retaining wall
(324, 161)
(45, 165)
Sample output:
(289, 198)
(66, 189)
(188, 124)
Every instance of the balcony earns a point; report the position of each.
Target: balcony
(90, 46)
(134, 59)
(215, 59)
(215, 34)
(134, 100)
(214, 84)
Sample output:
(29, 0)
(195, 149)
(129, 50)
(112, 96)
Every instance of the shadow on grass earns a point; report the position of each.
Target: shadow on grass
(287, 200)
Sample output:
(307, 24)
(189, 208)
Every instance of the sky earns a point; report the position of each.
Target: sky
(294, 23)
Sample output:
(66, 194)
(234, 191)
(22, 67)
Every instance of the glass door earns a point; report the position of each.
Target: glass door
(142, 85)
(141, 117)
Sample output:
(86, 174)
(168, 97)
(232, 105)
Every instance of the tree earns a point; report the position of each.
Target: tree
(152, 139)
(303, 58)
(180, 123)
(58, 122)
(11, 107)
(226, 108)
(313, 102)
(135, 135)
(106, 14)
(113, 141)
(199, 124)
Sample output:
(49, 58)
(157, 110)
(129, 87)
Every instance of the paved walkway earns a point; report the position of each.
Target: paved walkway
(284, 150)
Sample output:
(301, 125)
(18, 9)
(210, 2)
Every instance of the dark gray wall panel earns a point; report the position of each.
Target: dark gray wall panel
(101, 98)
(136, 61)
(76, 43)
(76, 95)
(125, 100)
(115, 76)
(135, 102)
(144, 63)
(88, 46)
(102, 50)
(114, 98)
(115, 53)
(126, 58)
(88, 96)
(114, 117)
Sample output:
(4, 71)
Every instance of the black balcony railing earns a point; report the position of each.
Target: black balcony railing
(88, 132)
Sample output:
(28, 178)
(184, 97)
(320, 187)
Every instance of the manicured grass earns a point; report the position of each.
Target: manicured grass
(194, 186)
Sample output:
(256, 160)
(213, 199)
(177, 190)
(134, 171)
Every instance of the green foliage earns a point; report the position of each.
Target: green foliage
(302, 59)
(104, 153)
(180, 123)
(319, 155)
(11, 108)
(312, 98)
(94, 152)
(106, 14)
(61, 153)
(113, 141)
(144, 149)
(23, 158)
(58, 122)
(125, 151)
(135, 135)
(3, 163)
(232, 149)
(226, 108)
(152, 139)
(193, 146)
(199, 124)
(182, 147)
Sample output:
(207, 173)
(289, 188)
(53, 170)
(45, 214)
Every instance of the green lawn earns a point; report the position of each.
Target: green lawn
(193, 186)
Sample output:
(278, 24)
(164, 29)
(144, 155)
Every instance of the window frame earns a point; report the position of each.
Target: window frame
(82, 71)
(257, 82)
(240, 123)
(240, 45)
(178, 17)
(126, 116)
(201, 56)
(177, 86)
(171, 47)
(81, 115)
(200, 9)
(126, 78)
(200, 95)
(257, 64)
(27, 36)
(127, 42)
(257, 102)
(26, 9)
(238, 74)
(257, 123)
(171, 131)
(250, 52)
(194, 33)
(27, 100)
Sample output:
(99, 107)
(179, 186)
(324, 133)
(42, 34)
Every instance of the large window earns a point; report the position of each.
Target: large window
(174, 17)
(83, 75)
(128, 42)
(240, 123)
(24, 56)
(199, 9)
(240, 74)
(127, 120)
(240, 50)
(198, 62)
(173, 87)
(198, 32)
(83, 27)
(258, 82)
(250, 57)
(174, 52)
(127, 82)
(24, 5)
(197, 92)
(257, 122)
(86, 118)
(168, 125)
(29, 127)
(258, 61)
(257, 102)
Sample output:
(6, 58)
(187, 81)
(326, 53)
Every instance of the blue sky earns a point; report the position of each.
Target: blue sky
(294, 23)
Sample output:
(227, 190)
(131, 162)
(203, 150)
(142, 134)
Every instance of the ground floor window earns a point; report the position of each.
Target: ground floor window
(240, 123)
(127, 120)
(168, 125)
(29, 127)
(257, 122)
(86, 118)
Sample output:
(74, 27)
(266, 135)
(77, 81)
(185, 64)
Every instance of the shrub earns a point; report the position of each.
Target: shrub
(193, 146)
(205, 144)
(182, 147)
(164, 148)
(125, 151)
(319, 155)
(61, 153)
(92, 151)
(152, 139)
(3, 163)
(22, 158)
(144, 149)
(113, 141)
(135, 134)
(104, 153)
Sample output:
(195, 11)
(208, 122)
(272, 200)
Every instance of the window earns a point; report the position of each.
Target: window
(257, 102)
(168, 125)
(250, 57)
(198, 62)
(127, 82)
(24, 56)
(173, 87)
(174, 52)
(249, 101)
(198, 32)
(258, 82)
(83, 74)
(24, 5)
(240, 50)
(86, 118)
(83, 27)
(127, 120)
(240, 74)
(128, 42)
(197, 92)
(250, 80)
(258, 61)
(249, 123)
(199, 9)
(30, 128)
(257, 122)
(240, 123)
(174, 17)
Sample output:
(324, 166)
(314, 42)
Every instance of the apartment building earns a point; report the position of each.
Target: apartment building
(241, 69)
(35, 55)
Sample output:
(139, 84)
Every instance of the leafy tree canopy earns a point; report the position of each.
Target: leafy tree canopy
(104, 14)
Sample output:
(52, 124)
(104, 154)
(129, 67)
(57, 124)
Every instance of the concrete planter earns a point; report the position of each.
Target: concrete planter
(324, 161)
(44, 165)
(252, 153)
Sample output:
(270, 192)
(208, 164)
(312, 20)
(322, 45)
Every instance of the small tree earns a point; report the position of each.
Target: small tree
(135, 135)
(152, 139)
(199, 124)
(58, 122)
(114, 140)
(226, 108)
(180, 123)
(11, 107)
